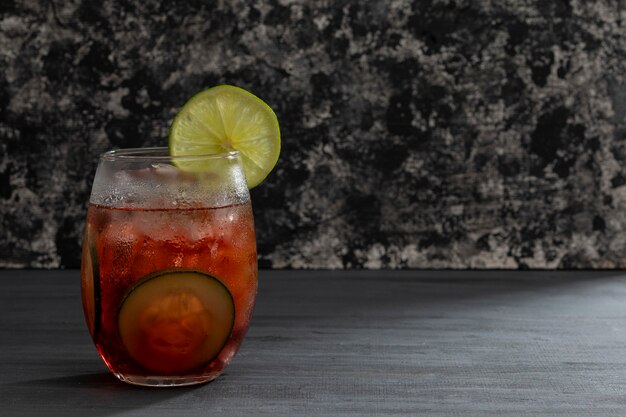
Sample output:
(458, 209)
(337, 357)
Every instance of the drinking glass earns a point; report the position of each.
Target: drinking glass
(169, 266)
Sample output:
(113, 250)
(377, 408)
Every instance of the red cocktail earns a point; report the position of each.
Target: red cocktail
(169, 273)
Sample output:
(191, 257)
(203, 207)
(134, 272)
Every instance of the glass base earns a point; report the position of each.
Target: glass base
(167, 381)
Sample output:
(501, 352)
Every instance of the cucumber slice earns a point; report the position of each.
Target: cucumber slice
(91, 284)
(175, 321)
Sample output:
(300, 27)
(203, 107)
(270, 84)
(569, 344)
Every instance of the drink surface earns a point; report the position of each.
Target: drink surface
(124, 247)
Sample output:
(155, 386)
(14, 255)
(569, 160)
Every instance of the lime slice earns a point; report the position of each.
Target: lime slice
(176, 321)
(227, 118)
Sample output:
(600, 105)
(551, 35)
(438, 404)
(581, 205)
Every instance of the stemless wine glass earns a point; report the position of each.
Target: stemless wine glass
(169, 267)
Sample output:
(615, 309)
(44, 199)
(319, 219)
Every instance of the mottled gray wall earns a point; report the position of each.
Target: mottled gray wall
(416, 134)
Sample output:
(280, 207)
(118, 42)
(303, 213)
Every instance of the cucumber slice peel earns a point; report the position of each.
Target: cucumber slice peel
(91, 283)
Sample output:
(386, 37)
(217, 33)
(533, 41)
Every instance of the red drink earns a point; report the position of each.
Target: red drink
(168, 292)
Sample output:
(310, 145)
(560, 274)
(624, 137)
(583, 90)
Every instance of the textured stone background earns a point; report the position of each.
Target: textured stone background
(416, 134)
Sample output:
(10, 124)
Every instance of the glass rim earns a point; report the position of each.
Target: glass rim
(160, 153)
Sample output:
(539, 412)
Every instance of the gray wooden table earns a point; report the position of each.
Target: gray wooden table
(348, 344)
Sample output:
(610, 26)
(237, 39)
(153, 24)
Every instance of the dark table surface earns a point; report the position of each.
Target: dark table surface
(444, 343)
